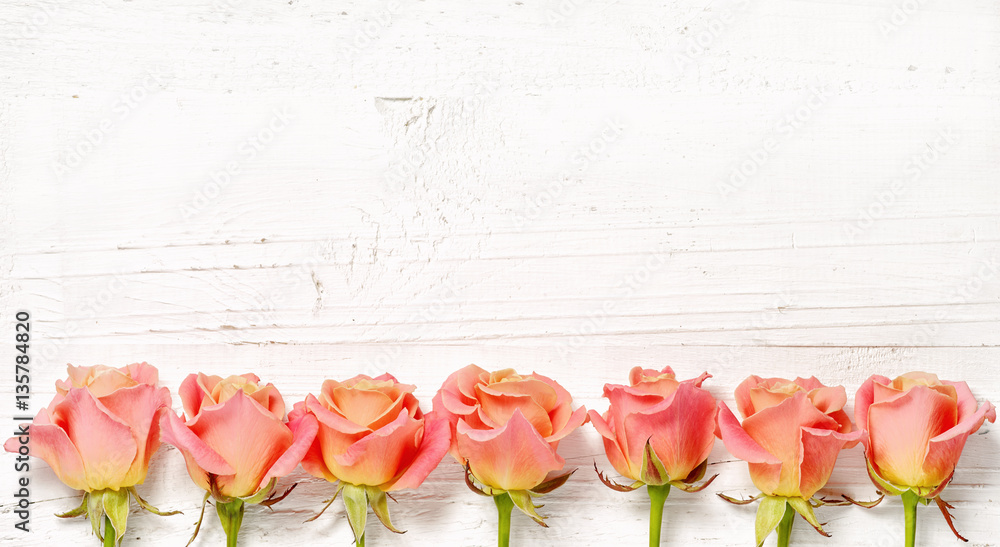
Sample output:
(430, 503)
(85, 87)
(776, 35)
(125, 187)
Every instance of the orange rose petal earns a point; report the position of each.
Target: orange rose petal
(303, 434)
(513, 457)
(738, 442)
(744, 404)
(612, 449)
(499, 407)
(103, 441)
(140, 407)
(435, 443)
(51, 444)
(944, 451)
(378, 457)
(247, 436)
(901, 429)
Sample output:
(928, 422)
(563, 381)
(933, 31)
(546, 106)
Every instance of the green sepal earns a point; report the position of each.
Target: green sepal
(329, 502)
(356, 503)
(231, 516)
(553, 483)
(614, 485)
(769, 514)
(522, 500)
(95, 510)
(802, 507)
(81, 510)
(145, 505)
(380, 505)
(201, 517)
(261, 494)
(116, 508)
(652, 471)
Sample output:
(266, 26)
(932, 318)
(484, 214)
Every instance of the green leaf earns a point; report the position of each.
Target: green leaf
(522, 499)
(769, 514)
(380, 504)
(356, 503)
(803, 508)
(652, 471)
(116, 508)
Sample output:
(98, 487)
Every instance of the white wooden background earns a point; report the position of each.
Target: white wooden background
(310, 189)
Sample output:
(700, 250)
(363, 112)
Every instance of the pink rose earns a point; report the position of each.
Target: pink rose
(98, 435)
(507, 426)
(101, 428)
(791, 435)
(373, 438)
(915, 428)
(236, 442)
(235, 439)
(677, 420)
(659, 433)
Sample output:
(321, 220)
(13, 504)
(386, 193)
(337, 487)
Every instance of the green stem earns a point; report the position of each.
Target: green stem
(504, 506)
(910, 500)
(109, 532)
(785, 526)
(361, 541)
(657, 497)
(231, 516)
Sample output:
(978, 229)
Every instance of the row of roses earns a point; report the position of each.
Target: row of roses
(370, 437)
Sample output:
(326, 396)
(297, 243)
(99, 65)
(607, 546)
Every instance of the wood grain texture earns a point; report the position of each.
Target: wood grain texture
(312, 189)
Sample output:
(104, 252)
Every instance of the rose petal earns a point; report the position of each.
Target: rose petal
(437, 439)
(303, 434)
(611, 447)
(378, 457)
(51, 444)
(743, 401)
(738, 442)
(681, 434)
(901, 429)
(140, 407)
(247, 436)
(198, 456)
(499, 407)
(944, 451)
(513, 457)
(104, 441)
